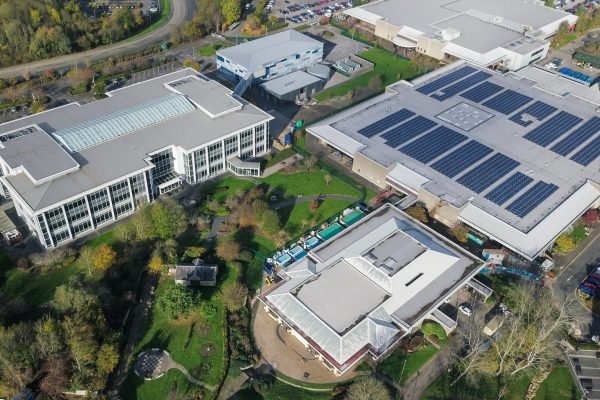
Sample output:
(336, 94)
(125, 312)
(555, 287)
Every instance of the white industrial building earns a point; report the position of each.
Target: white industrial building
(514, 159)
(507, 34)
(75, 168)
(360, 292)
(270, 56)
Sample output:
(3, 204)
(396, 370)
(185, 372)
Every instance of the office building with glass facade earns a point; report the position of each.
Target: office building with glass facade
(75, 168)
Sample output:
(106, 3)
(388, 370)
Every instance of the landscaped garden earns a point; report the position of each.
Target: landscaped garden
(389, 68)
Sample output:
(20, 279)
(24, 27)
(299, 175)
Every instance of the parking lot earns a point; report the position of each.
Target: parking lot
(299, 12)
(585, 364)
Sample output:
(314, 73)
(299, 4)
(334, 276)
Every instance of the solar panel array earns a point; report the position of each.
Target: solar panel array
(407, 131)
(482, 92)
(446, 80)
(577, 137)
(552, 129)
(460, 86)
(532, 198)
(461, 158)
(538, 110)
(507, 189)
(488, 172)
(507, 101)
(385, 123)
(589, 153)
(433, 144)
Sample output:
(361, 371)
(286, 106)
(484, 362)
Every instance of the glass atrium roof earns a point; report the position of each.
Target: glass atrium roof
(111, 126)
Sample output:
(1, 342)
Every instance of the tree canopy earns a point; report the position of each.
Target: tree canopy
(34, 29)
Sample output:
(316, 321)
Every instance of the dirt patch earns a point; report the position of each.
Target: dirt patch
(207, 349)
(203, 329)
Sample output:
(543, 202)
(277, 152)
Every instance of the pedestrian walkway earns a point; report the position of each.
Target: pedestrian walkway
(280, 165)
(304, 199)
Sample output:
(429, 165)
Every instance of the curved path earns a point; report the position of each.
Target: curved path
(181, 10)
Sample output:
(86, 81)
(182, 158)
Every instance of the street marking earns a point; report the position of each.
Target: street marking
(569, 278)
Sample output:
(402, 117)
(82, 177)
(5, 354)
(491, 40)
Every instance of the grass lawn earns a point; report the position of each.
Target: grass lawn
(280, 156)
(224, 188)
(484, 389)
(433, 328)
(209, 50)
(281, 391)
(559, 385)
(32, 287)
(160, 389)
(394, 365)
(388, 66)
(308, 184)
(109, 238)
(171, 335)
(293, 217)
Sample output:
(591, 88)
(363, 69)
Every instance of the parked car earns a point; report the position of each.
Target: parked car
(465, 309)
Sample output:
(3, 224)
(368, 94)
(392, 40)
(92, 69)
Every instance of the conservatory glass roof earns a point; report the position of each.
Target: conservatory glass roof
(108, 127)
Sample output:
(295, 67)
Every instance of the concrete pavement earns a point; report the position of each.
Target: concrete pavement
(181, 10)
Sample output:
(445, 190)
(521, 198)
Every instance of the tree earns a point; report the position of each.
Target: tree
(17, 358)
(282, 238)
(108, 358)
(231, 10)
(311, 162)
(327, 178)
(125, 232)
(176, 301)
(168, 218)
(234, 296)
(194, 251)
(469, 349)
(591, 217)
(460, 232)
(228, 249)
(209, 14)
(259, 206)
(270, 221)
(189, 63)
(104, 257)
(549, 3)
(418, 212)
(99, 88)
(527, 340)
(81, 341)
(314, 205)
(86, 258)
(564, 243)
(49, 339)
(55, 372)
(157, 263)
(368, 389)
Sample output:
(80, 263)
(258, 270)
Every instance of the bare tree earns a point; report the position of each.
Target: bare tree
(368, 389)
(527, 340)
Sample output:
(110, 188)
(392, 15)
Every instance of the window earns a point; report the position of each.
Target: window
(56, 219)
(120, 193)
(82, 227)
(163, 164)
(123, 209)
(215, 153)
(189, 168)
(44, 229)
(99, 201)
(231, 145)
(138, 185)
(77, 210)
(220, 58)
(102, 218)
(246, 139)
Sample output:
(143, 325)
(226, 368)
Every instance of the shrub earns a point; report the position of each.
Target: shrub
(208, 310)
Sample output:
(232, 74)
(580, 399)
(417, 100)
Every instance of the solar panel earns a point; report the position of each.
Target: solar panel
(481, 92)
(385, 123)
(461, 86)
(532, 198)
(589, 153)
(577, 137)
(407, 131)
(488, 172)
(507, 101)
(446, 80)
(552, 129)
(507, 189)
(433, 144)
(461, 158)
(538, 110)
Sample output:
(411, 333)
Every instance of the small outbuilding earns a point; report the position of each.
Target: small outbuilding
(196, 274)
(291, 87)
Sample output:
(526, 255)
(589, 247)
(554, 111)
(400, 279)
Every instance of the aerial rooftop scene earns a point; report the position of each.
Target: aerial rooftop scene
(293, 199)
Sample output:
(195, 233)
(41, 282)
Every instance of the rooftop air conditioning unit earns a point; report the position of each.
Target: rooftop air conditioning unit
(449, 34)
(526, 28)
(497, 19)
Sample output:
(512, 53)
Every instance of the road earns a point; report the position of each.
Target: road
(181, 11)
(574, 269)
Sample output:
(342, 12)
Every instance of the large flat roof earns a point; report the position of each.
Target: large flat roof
(536, 158)
(483, 24)
(256, 54)
(341, 308)
(343, 297)
(126, 154)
